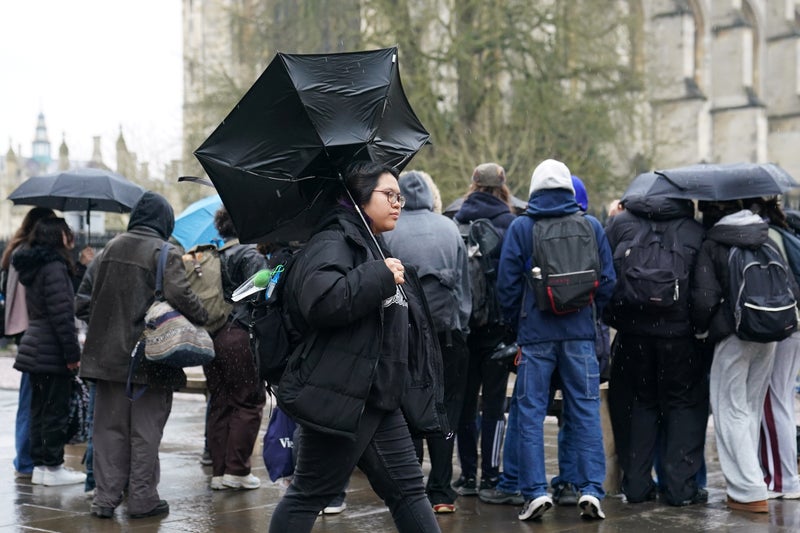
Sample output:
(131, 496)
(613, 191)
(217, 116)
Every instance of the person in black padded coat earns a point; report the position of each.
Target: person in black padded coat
(49, 349)
(348, 383)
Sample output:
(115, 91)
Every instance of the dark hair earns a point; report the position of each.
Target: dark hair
(49, 233)
(23, 233)
(769, 208)
(362, 176)
(224, 224)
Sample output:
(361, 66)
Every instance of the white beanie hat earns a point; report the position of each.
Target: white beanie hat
(551, 174)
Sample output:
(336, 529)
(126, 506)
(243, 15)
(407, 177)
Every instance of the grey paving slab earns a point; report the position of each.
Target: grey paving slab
(195, 508)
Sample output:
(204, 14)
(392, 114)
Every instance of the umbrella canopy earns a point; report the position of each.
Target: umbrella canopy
(723, 182)
(652, 184)
(82, 189)
(195, 225)
(277, 158)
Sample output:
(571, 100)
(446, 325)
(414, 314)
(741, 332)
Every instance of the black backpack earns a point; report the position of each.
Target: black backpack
(566, 263)
(653, 271)
(764, 307)
(483, 247)
(269, 326)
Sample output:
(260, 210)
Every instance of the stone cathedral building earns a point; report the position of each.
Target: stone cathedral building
(721, 78)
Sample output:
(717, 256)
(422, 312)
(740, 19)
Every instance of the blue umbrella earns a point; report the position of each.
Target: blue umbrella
(195, 225)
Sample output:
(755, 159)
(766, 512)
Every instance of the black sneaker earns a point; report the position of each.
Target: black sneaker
(565, 494)
(535, 508)
(500, 497)
(487, 484)
(466, 486)
(102, 512)
(701, 496)
(161, 508)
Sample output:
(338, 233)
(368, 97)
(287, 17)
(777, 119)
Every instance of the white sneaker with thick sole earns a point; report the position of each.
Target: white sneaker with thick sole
(335, 509)
(590, 507)
(37, 478)
(535, 508)
(217, 484)
(62, 475)
(241, 482)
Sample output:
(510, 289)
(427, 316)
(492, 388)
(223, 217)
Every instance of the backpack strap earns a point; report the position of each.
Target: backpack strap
(160, 266)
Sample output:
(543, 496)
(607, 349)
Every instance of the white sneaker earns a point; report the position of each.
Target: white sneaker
(533, 509)
(216, 483)
(37, 478)
(335, 509)
(791, 495)
(590, 507)
(241, 482)
(772, 495)
(62, 475)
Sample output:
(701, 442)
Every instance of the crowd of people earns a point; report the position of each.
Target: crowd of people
(385, 287)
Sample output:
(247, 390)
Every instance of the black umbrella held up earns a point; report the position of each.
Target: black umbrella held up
(277, 158)
(82, 189)
(723, 182)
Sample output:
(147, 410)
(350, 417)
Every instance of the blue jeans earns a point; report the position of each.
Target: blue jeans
(580, 376)
(23, 462)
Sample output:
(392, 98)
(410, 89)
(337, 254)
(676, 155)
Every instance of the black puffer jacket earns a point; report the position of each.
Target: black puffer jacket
(333, 295)
(51, 341)
(667, 214)
(712, 310)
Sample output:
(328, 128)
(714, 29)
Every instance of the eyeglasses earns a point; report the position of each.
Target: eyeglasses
(393, 197)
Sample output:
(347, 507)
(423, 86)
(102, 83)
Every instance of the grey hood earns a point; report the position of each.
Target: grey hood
(417, 191)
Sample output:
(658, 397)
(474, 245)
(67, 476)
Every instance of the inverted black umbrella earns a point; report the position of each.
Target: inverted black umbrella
(81, 189)
(277, 158)
(724, 181)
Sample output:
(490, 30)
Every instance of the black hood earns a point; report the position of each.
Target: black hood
(28, 261)
(742, 229)
(659, 207)
(153, 211)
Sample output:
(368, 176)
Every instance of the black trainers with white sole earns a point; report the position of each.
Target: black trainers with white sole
(535, 508)
(590, 507)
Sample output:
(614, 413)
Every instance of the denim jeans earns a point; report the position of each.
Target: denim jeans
(22, 461)
(382, 450)
(580, 375)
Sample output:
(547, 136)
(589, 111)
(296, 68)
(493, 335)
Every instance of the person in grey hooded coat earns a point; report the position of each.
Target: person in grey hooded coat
(432, 243)
(127, 433)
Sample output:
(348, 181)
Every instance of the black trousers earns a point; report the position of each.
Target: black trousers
(455, 357)
(49, 417)
(658, 401)
(489, 380)
(382, 450)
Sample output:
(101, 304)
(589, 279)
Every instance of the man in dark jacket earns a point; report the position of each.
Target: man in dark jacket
(551, 341)
(741, 369)
(127, 433)
(658, 384)
(487, 379)
(432, 243)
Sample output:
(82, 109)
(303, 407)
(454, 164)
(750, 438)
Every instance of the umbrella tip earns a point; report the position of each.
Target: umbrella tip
(194, 179)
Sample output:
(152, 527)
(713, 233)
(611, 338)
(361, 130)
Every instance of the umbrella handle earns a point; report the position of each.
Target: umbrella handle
(366, 225)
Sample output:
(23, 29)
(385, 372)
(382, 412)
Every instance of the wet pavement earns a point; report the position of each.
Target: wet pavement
(195, 508)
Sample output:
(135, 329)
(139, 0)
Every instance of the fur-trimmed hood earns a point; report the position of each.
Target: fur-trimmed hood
(28, 261)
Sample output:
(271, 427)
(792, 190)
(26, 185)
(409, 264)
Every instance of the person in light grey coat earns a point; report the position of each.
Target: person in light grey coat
(432, 243)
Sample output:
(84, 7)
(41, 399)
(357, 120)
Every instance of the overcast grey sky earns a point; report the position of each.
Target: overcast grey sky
(92, 66)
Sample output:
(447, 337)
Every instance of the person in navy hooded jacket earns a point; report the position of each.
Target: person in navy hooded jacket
(551, 342)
